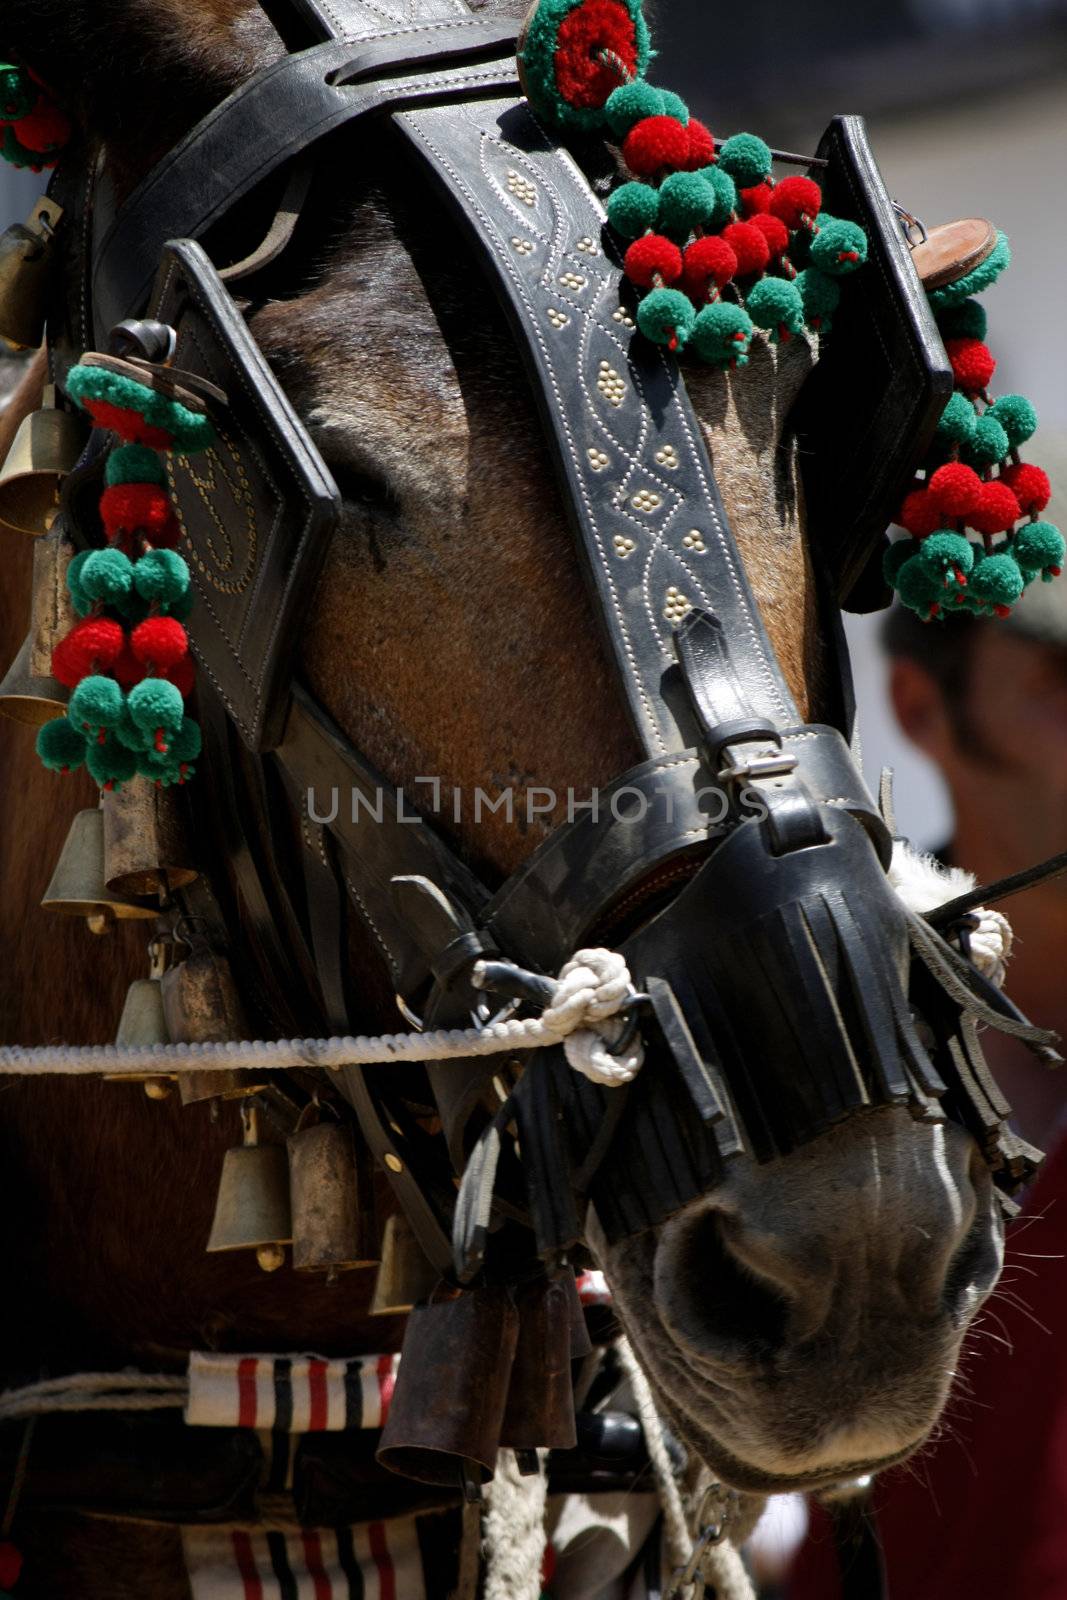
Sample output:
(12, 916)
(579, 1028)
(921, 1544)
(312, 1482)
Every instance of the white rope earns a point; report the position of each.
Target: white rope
(721, 1565)
(95, 1391)
(593, 987)
(515, 1530)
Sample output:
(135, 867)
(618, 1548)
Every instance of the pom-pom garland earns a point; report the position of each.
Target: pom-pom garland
(966, 517)
(127, 662)
(34, 130)
(583, 63)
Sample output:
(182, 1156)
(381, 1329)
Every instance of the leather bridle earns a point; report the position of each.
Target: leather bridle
(794, 904)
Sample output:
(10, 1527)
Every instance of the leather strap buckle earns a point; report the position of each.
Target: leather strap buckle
(750, 768)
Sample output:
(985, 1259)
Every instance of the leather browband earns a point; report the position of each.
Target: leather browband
(276, 115)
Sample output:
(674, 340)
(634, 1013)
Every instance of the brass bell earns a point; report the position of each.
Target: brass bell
(26, 698)
(330, 1217)
(77, 888)
(143, 1025)
(45, 448)
(405, 1276)
(145, 847)
(201, 1005)
(26, 255)
(252, 1208)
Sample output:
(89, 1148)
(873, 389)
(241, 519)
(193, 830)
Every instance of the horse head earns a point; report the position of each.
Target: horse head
(801, 1319)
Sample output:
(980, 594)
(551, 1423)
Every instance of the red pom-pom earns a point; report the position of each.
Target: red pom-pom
(45, 129)
(756, 202)
(796, 200)
(749, 246)
(997, 509)
(159, 640)
(774, 231)
(130, 426)
(1029, 484)
(135, 507)
(126, 668)
(707, 261)
(583, 78)
(651, 259)
(954, 489)
(10, 1564)
(701, 146)
(655, 143)
(919, 514)
(183, 675)
(973, 364)
(96, 642)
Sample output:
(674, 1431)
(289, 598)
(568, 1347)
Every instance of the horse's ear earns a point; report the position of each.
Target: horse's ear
(138, 73)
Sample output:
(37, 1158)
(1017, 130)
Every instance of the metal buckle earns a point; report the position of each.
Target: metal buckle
(757, 767)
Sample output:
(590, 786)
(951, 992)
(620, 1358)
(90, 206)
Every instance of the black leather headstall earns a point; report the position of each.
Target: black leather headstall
(782, 972)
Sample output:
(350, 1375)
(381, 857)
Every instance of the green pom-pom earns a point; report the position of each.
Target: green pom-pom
(839, 247)
(181, 608)
(958, 421)
(18, 92)
(176, 766)
(896, 554)
(154, 703)
(107, 576)
(134, 463)
(919, 589)
(820, 296)
(948, 557)
(1040, 547)
(1016, 416)
(633, 209)
(775, 304)
(632, 103)
(190, 430)
(675, 106)
(60, 745)
(162, 576)
(79, 599)
(97, 702)
(686, 203)
(666, 316)
(747, 159)
(129, 734)
(111, 764)
(988, 444)
(722, 334)
(974, 282)
(725, 196)
(967, 320)
(584, 104)
(997, 582)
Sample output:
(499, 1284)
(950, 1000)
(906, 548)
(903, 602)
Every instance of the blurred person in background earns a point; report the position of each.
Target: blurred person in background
(982, 1511)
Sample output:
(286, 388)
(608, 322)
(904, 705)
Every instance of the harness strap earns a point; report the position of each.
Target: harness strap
(279, 113)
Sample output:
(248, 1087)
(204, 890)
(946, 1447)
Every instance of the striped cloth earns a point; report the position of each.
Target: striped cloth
(374, 1561)
(289, 1394)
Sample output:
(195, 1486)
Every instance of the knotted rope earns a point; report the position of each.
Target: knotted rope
(593, 988)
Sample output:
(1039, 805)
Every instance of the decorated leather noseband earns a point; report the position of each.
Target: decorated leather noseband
(783, 986)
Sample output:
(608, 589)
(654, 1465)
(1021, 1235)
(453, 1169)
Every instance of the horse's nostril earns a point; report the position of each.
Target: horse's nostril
(973, 1270)
(726, 1311)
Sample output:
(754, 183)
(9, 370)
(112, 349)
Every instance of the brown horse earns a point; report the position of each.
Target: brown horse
(450, 634)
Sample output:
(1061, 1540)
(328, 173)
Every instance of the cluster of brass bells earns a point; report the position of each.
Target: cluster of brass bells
(309, 1193)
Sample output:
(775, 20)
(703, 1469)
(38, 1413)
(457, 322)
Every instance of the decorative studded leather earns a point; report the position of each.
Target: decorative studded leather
(651, 526)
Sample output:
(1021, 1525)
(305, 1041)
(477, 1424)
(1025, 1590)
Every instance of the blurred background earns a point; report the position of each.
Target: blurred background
(967, 105)
(966, 101)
